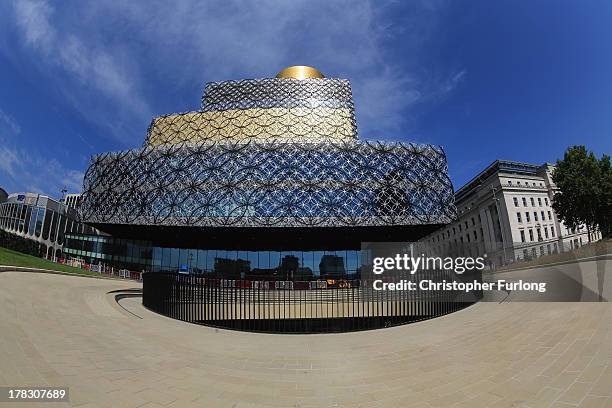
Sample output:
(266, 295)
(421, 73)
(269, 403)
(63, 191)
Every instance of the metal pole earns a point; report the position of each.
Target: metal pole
(501, 226)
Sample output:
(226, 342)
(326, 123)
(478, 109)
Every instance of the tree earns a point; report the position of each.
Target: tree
(604, 203)
(585, 190)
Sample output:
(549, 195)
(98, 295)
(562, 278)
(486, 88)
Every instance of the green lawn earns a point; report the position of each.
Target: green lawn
(14, 258)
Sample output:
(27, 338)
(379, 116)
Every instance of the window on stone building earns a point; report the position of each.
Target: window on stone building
(518, 217)
(515, 201)
(522, 236)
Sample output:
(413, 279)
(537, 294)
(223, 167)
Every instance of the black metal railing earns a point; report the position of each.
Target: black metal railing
(298, 306)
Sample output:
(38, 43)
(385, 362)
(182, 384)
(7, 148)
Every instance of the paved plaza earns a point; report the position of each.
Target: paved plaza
(70, 331)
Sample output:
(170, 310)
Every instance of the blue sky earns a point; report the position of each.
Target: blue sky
(515, 80)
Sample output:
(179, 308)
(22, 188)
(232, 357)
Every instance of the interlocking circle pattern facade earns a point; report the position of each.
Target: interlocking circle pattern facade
(272, 184)
(263, 110)
(271, 152)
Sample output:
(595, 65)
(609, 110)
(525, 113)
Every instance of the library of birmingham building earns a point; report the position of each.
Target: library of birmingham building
(264, 194)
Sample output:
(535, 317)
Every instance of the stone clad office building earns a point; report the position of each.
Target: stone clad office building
(506, 212)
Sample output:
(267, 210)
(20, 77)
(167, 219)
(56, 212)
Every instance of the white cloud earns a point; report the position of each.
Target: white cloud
(228, 40)
(28, 169)
(451, 83)
(381, 101)
(9, 122)
(91, 65)
(33, 17)
(109, 48)
(9, 161)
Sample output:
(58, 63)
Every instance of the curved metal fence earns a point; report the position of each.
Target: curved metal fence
(298, 306)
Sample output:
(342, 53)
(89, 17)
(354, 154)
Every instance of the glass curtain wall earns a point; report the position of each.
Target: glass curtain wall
(274, 265)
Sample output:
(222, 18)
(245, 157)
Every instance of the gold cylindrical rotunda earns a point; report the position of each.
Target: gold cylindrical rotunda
(300, 72)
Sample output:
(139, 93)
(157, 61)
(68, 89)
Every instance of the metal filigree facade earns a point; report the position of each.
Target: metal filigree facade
(263, 110)
(268, 153)
(271, 184)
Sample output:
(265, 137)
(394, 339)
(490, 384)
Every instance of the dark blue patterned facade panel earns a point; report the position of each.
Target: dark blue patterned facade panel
(277, 92)
(271, 184)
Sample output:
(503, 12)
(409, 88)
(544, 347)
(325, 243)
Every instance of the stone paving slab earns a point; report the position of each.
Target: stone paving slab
(67, 331)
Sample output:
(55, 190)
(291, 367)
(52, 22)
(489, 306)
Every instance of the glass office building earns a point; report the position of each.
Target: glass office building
(41, 219)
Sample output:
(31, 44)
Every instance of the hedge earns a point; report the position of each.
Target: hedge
(20, 244)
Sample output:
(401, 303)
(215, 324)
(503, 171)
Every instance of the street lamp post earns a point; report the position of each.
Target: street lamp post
(501, 226)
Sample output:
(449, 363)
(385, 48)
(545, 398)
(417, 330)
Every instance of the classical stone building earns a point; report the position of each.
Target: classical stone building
(506, 212)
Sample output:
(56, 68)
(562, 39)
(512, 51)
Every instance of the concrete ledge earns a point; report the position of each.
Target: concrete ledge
(585, 280)
(605, 257)
(11, 268)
